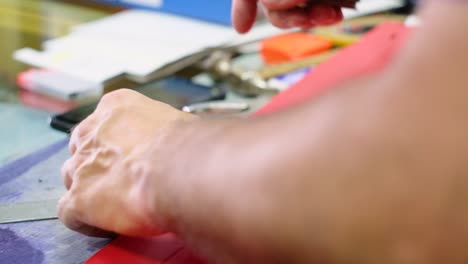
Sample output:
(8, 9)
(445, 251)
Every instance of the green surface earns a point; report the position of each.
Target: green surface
(27, 23)
(23, 130)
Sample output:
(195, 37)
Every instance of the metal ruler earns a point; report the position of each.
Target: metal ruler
(28, 211)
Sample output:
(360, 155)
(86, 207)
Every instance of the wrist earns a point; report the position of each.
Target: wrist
(163, 164)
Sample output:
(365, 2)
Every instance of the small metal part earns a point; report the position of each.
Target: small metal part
(252, 83)
(28, 211)
(248, 83)
(217, 107)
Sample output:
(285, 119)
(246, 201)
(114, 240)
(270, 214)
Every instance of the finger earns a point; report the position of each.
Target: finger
(107, 103)
(244, 13)
(81, 132)
(305, 17)
(68, 214)
(66, 173)
(294, 17)
(116, 98)
(70, 168)
(325, 14)
(277, 5)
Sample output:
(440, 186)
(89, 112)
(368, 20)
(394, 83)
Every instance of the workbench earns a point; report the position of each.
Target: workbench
(25, 130)
(31, 153)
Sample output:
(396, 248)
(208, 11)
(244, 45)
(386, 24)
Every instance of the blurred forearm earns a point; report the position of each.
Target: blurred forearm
(372, 172)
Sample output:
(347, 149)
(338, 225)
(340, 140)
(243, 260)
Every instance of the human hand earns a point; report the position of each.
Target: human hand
(286, 13)
(108, 173)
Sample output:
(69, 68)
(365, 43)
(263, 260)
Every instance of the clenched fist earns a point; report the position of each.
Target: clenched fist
(108, 175)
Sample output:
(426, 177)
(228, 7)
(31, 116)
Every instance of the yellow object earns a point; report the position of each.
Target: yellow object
(341, 38)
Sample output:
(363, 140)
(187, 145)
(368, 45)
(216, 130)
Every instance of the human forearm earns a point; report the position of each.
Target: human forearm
(368, 156)
(216, 194)
(371, 172)
(351, 195)
(273, 188)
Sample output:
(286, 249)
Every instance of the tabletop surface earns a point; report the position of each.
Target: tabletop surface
(25, 130)
(31, 153)
(27, 23)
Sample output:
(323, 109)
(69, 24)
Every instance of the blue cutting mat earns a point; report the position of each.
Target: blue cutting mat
(22, 131)
(32, 178)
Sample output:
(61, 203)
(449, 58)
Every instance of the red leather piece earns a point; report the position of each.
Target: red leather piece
(125, 250)
(371, 54)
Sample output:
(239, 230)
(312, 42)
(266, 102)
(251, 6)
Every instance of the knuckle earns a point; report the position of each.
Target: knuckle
(66, 207)
(61, 207)
(112, 97)
(78, 132)
(118, 95)
(64, 169)
(115, 112)
(72, 147)
(117, 98)
(106, 100)
(77, 141)
(68, 211)
(67, 171)
(71, 167)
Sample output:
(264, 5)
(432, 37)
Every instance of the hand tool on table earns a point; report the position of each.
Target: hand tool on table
(218, 61)
(255, 82)
(217, 107)
(220, 66)
(28, 211)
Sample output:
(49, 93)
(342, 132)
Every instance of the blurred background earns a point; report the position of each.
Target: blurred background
(57, 58)
(58, 55)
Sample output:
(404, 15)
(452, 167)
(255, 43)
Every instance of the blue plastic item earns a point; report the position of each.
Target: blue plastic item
(217, 11)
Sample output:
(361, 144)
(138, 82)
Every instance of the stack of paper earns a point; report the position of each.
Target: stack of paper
(132, 42)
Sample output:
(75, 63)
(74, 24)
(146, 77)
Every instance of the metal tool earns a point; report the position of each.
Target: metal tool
(28, 211)
(196, 58)
(255, 82)
(219, 107)
(247, 83)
